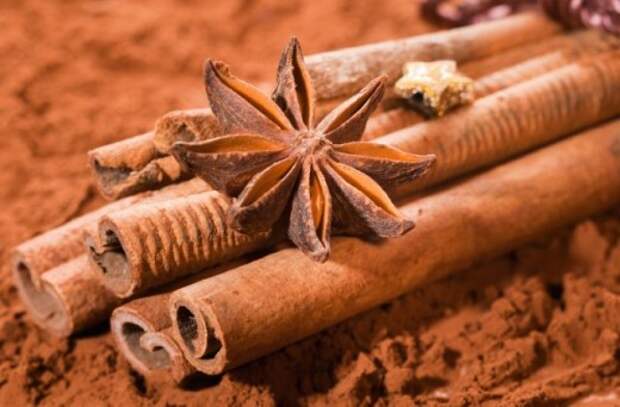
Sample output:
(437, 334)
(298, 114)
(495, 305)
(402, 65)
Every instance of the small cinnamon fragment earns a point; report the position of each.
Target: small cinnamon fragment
(184, 125)
(131, 166)
(433, 88)
(235, 317)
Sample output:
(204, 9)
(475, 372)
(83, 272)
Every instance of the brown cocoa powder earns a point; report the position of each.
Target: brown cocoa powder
(538, 327)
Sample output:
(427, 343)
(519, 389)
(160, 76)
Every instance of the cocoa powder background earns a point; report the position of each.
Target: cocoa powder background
(538, 327)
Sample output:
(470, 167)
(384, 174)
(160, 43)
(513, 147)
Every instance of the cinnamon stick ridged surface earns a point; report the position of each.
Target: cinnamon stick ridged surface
(156, 243)
(230, 319)
(65, 294)
(63, 243)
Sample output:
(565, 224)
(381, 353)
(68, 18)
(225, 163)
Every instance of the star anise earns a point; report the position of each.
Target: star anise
(272, 151)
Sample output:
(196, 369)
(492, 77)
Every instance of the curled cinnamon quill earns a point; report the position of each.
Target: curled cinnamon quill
(277, 162)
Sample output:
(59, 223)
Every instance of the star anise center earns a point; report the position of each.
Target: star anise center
(310, 143)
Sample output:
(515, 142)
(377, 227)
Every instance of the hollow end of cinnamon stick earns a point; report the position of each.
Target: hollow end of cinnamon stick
(133, 165)
(68, 299)
(147, 349)
(111, 260)
(42, 302)
(199, 333)
(154, 244)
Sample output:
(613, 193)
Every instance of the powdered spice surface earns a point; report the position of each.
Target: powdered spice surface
(537, 327)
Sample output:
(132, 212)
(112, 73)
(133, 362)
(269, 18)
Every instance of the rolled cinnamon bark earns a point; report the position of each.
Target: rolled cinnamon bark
(67, 299)
(152, 244)
(238, 316)
(566, 49)
(514, 120)
(345, 71)
(64, 243)
(142, 330)
(139, 163)
(143, 334)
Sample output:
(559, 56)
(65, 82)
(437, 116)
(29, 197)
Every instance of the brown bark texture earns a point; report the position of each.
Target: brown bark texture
(64, 243)
(344, 71)
(156, 243)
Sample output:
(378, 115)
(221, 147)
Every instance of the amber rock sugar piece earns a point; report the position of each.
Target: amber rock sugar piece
(278, 162)
(433, 88)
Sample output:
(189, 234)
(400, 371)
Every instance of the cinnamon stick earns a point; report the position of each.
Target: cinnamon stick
(514, 120)
(517, 55)
(143, 334)
(561, 51)
(345, 71)
(238, 316)
(142, 330)
(64, 243)
(67, 298)
(131, 166)
(150, 245)
(139, 163)
(576, 46)
(492, 129)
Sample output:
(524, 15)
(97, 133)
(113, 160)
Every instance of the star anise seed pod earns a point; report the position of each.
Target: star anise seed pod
(272, 151)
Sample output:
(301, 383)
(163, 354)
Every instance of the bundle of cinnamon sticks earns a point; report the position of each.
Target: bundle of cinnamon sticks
(538, 149)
